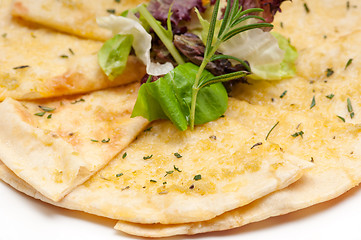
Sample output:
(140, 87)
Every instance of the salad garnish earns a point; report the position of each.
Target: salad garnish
(194, 56)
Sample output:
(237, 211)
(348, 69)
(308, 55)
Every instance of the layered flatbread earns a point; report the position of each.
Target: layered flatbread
(55, 145)
(77, 17)
(334, 148)
(39, 63)
(167, 176)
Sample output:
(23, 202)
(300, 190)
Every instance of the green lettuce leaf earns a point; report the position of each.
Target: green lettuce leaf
(285, 69)
(113, 55)
(170, 98)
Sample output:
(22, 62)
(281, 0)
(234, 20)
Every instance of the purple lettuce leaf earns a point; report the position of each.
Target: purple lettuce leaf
(181, 9)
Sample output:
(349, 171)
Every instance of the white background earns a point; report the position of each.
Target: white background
(23, 218)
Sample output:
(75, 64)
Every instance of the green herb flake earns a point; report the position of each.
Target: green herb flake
(348, 63)
(64, 56)
(330, 96)
(274, 126)
(313, 103)
(78, 101)
(94, 140)
(40, 114)
(349, 108)
(177, 155)
(342, 119)
(298, 134)
(119, 175)
(307, 9)
(4, 35)
(47, 109)
(168, 173)
(106, 140)
(71, 51)
(21, 67)
(348, 5)
(111, 11)
(117, 1)
(329, 72)
(147, 157)
(50, 116)
(148, 129)
(256, 145)
(177, 169)
(152, 181)
(283, 94)
(164, 183)
(124, 155)
(197, 177)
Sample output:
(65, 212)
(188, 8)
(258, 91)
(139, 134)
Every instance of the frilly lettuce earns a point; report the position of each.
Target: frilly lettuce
(285, 69)
(270, 55)
(142, 40)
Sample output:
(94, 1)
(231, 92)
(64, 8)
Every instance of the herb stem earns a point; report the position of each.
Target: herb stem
(160, 33)
(195, 88)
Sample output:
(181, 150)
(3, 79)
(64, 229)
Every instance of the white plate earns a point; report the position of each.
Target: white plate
(23, 218)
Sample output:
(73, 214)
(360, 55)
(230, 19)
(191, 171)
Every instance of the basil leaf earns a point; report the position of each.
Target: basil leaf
(113, 56)
(170, 98)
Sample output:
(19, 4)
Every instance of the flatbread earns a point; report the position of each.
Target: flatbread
(76, 17)
(73, 139)
(335, 149)
(310, 23)
(39, 63)
(330, 92)
(154, 180)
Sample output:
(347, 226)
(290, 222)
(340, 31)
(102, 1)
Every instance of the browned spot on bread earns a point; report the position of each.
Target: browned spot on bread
(19, 9)
(68, 81)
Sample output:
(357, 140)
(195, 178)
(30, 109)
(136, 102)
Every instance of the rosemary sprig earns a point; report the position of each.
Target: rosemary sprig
(230, 27)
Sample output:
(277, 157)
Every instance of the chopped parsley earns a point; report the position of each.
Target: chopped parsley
(274, 126)
(349, 108)
(313, 103)
(119, 175)
(298, 134)
(147, 157)
(168, 173)
(78, 101)
(64, 56)
(4, 35)
(148, 129)
(50, 116)
(177, 169)
(257, 144)
(106, 140)
(343, 120)
(330, 96)
(40, 114)
(329, 72)
(152, 181)
(177, 155)
(71, 51)
(21, 67)
(213, 137)
(125, 155)
(47, 109)
(197, 177)
(111, 11)
(307, 9)
(94, 140)
(348, 63)
(117, 1)
(283, 94)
